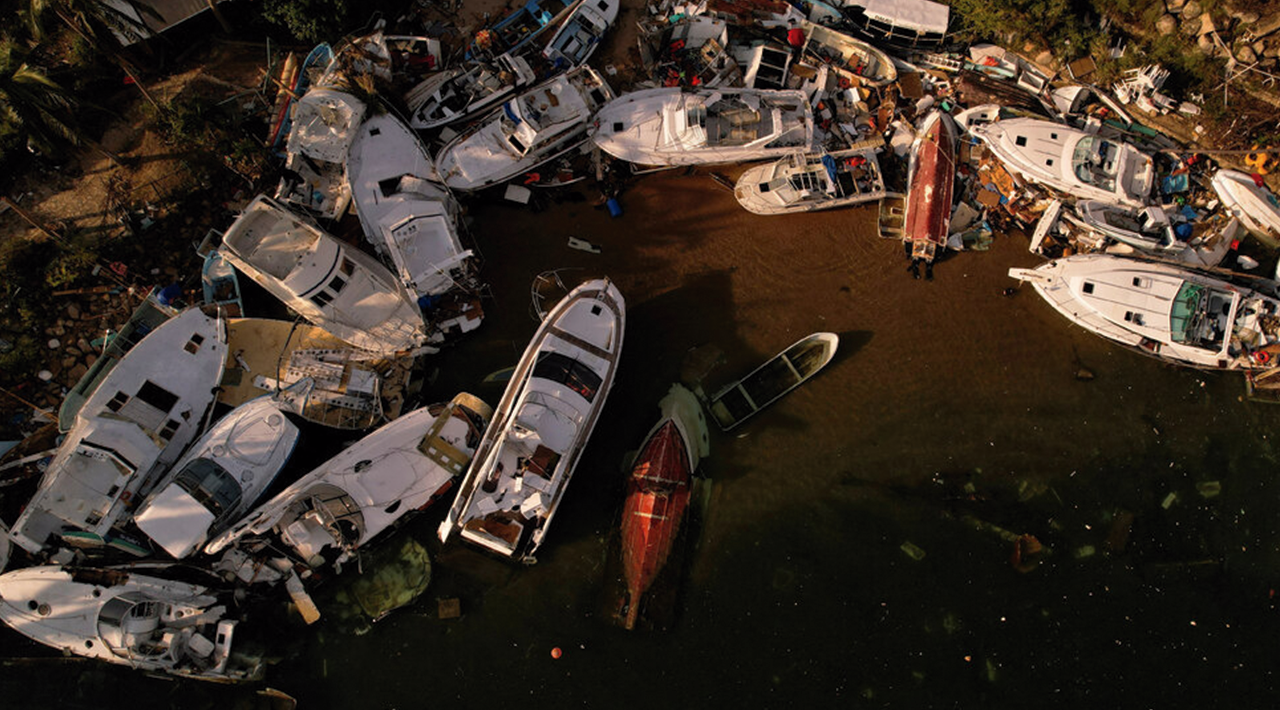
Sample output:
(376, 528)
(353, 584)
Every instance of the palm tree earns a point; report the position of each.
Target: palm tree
(102, 25)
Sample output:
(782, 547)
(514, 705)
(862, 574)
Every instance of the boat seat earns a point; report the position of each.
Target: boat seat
(307, 535)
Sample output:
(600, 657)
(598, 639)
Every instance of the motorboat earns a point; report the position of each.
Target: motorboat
(456, 94)
(130, 619)
(904, 25)
(805, 182)
(325, 121)
(576, 39)
(324, 518)
(220, 286)
(658, 490)
(538, 126)
(336, 287)
(931, 177)
(522, 469)
(1254, 205)
(1071, 161)
(136, 423)
(220, 477)
(349, 388)
(852, 60)
(1170, 312)
(674, 126)
(787, 370)
(520, 27)
(1147, 229)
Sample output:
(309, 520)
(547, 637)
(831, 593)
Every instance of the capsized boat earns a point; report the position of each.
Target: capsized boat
(674, 126)
(805, 182)
(768, 383)
(119, 616)
(412, 220)
(1255, 206)
(324, 125)
(852, 60)
(519, 475)
(1071, 161)
(578, 36)
(540, 125)
(133, 427)
(931, 177)
(457, 94)
(1167, 311)
(322, 519)
(220, 477)
(658, 491)
(340, 289)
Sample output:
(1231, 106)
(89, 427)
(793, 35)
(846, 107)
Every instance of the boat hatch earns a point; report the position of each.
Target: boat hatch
(211, 486)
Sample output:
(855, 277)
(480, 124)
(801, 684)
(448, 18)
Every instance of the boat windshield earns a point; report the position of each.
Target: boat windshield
(1186, 312)
(128, 622)
(560, 368)
(211, 486)
(1094, 162)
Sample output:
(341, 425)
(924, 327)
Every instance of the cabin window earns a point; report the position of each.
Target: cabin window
(337, 284)
(557, 367)
(170, 428)
(117, 401)
(375, 131)
(348, 266)
(1088, 287)
(322, 299)
(603, 5)
(1134, 318)
(1049, 162)
(595, 310)
(157, 396)
(1053, 136)
(515, 143)
(211, 486)
(1020, 140)
(618, 127)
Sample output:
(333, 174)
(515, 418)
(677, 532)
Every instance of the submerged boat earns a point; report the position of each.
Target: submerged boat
(325, 517)
(457, 94)
(541, 426)
(658, 491)
(137, 422)
(578, 36)
(219, 478)
(122, 617)
(768, 383)
(538, 126)
(931, 178)
(324, 124)
(1167, 311)
(1255, 206)
(674, 126)
(340, 289)
(851, 60)
(1071, 161)
(806, 182)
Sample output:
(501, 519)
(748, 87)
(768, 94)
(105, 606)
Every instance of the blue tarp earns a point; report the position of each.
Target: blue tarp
(829, 163)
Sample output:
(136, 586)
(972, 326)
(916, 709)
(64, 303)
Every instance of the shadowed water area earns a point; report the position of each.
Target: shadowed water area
(856, 541)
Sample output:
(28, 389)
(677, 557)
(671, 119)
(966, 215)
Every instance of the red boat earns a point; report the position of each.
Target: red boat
(931, 178)
(658, 493)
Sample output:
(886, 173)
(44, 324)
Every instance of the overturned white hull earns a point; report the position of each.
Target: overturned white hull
(1256, 207)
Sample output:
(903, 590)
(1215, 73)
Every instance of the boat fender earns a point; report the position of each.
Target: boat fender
(1262, 356)
(126, 497)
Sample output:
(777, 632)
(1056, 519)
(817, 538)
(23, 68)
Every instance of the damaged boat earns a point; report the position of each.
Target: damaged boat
(806, 182)
(541, 426)
(578, 36)
(931, 178)
(324, 125)
(456, 94)
(1254, 205)
(784, 372)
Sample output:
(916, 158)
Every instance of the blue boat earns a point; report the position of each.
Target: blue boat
(516, 30)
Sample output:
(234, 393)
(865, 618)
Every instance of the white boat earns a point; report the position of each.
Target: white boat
(324, 125)
(219, 478)
(766, 384)
(133, 427)
(1071, 161)
(1163, 310)
(578, 36)
(1147, 229)
(673, 126)
(540, 125)
(457, 94)
(805, 182)
(328, 514)
(519, 475)
(1256, 207)
(851, 60)
(118, 616)
(336, 287)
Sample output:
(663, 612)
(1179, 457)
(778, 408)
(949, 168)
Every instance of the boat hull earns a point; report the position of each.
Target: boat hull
(769, 382)
(931, 181)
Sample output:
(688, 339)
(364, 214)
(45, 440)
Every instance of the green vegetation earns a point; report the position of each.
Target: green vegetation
(310, 21)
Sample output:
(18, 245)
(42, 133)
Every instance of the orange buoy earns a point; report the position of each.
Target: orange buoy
(556, 652)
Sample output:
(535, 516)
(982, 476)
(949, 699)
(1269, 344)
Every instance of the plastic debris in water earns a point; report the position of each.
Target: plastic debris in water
(1169, 500)
(1085, 551)
(912, 551)
(1209, 489)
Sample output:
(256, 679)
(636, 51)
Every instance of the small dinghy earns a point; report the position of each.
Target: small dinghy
(1255, 206)
(768, 383)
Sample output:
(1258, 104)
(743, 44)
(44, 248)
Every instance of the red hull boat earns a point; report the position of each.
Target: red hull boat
(931, 179)
(657, 496)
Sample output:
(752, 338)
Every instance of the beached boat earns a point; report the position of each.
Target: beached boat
(674, 126)
(768, 383)
(931, 177)
(1147, 229)
(541, 426)
(457, 94)
(220, 287)
(805, 182)
(146, 317)
(904, 25)
(119, 616)
(138, 421)
(324, 124)
(336, 287)
(692, 51)
(578, 36)
(658, 491)
(540, 125)
(296, 81)
(1167, 311)
(1255, 206)
(520, 27)
(1062, 158)
(853, 61)
(325, 517)
(220, 477)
